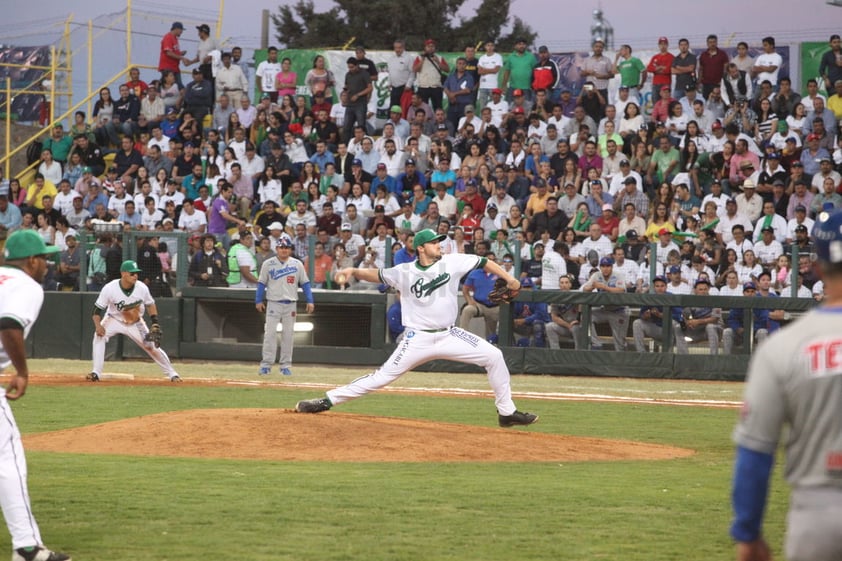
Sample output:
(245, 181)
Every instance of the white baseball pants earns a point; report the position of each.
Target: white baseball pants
(14, 495)
(136, 332)
(418, 347)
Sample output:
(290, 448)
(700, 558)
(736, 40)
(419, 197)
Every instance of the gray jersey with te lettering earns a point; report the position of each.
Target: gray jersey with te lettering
(282, 279)
(795, 379)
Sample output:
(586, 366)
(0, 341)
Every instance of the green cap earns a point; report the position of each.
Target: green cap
(427, 236)
(129, 267)
(87, 169)
(26, 243)
(396, 109)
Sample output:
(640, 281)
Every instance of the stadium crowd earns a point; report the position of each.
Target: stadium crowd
(725, 172)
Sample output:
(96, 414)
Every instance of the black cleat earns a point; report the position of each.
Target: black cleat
(516, 418)
(92, 377)
(313, 405)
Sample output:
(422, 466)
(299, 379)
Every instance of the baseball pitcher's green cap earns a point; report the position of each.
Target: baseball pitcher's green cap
(129, 267)
(426, 236)
(26, 243)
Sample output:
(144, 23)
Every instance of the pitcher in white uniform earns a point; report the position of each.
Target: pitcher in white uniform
(21, 297)
(429, 288)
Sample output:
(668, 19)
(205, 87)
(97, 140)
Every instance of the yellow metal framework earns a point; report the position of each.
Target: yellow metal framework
(65, 66)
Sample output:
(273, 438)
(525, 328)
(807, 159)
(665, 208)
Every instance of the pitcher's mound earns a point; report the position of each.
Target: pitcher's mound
(279, 434)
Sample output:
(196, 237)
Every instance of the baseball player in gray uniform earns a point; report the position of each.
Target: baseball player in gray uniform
(428, 288)
(795, 380)
(277, 295)
(21, 297)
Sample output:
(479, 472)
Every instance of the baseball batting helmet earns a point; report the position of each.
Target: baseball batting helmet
(827, 234)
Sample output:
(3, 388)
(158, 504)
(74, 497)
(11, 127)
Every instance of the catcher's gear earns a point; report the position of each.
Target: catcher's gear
(502, 292)
(155, 334)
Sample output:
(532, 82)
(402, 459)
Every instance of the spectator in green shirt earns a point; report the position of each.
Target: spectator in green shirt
(517, 71)
(664, 161)
(631, 69)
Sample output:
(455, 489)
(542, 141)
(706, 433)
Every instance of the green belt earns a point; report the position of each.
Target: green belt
(436, 330)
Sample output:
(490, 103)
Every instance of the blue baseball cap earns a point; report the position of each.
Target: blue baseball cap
(606, 262)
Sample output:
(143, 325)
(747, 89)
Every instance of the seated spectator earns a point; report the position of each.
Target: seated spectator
(650, 322)
(604, 280)
(564, 319)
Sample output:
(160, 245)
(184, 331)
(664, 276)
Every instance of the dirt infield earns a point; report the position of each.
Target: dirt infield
(283, 435)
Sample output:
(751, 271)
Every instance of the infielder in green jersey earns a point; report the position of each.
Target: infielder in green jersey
(429, 288)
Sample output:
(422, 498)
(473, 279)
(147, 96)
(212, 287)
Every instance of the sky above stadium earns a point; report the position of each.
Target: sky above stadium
(568, 27)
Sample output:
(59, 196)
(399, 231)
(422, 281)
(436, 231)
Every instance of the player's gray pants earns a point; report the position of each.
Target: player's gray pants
(14, 496)
(277, 312)
(619, 322)
(491, 315)
(137, 333)
(418, 347)
(814, 524)
(556, 332)
(729, 338)
(709, 332)
(642, 328)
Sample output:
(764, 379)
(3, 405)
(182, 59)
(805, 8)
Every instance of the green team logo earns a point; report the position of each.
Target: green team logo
(421, 289)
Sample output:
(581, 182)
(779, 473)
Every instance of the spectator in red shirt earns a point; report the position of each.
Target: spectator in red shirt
(172, 55)
(712, 65)
(661, 65)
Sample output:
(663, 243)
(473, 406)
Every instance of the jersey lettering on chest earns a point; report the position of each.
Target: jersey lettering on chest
(421, 289)
(275, 274)
(124, 305)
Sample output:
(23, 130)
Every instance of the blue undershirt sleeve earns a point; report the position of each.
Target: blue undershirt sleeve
(751, 486)
(261, 293)
(308, 292)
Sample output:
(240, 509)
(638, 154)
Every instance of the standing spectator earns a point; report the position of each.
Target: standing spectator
(598, 69)
(517, 72)
(661, 66)
(545, 76)
(399, 66)
(231, 82)
(267, 71)
(358, 87)
(430, 70)
(712, 65)
(277, 296)
(767, 65)
(126, 112)
(830, 67)
(205, 52)
(59, 144)
(237, 60)
(488, 68)
(172, 55)
(286, 80)
(208, 267)
(684, 68)
(458, 88)
(631, 70)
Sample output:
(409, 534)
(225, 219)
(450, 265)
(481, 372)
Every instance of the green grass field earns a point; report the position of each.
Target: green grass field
(101, 508)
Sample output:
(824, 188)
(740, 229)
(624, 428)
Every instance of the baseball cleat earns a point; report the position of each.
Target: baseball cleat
(38, 553)
(313, 405)
(92, 377)
(175, 378)
(286, 371)
(516, 418)
(264, 371)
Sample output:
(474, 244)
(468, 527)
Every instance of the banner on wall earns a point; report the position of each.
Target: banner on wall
(569, 66)
(27, 107)
(811, 58)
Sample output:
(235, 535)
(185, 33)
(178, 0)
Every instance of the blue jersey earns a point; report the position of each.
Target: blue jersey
(481, 283)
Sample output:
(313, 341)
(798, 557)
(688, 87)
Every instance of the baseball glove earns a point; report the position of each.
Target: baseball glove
(155, 334)
(502, 293)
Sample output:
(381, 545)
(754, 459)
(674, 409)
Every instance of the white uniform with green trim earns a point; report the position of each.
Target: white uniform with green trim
(429, 309)
(20, 300)
(114, 301)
